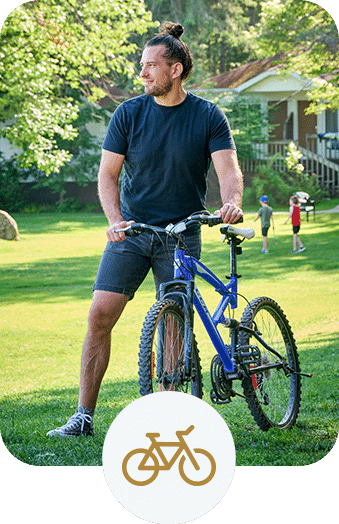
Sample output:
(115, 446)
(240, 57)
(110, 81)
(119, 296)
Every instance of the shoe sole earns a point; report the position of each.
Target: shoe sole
(64, 435)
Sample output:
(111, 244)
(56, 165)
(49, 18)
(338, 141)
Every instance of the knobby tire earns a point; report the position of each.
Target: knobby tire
(161, 352)
(272, 397)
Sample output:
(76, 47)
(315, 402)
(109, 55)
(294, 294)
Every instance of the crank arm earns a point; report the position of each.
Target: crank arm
(260, 369)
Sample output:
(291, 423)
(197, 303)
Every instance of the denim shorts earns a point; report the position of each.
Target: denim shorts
(124, 265)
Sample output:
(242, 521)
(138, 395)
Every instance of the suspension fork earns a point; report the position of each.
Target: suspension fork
(182, 292)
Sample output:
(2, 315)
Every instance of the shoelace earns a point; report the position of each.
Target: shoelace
(83, 417)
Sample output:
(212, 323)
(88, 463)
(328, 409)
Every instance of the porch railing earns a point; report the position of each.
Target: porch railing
(314, 160)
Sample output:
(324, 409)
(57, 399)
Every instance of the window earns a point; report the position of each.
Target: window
(331, 121)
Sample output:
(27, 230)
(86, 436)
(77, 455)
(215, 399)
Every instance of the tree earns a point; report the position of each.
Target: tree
(308, 36)
(222, 33)
(85, 150)
(214, 30)
(48, 50)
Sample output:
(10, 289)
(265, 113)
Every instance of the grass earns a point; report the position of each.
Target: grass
(45, 294)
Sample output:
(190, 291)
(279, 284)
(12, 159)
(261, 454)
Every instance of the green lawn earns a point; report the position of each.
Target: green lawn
(45, 294)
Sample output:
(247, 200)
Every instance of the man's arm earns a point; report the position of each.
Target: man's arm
(231, 184)
(108, 188)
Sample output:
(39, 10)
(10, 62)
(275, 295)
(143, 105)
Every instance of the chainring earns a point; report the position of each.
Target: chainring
(221, 385)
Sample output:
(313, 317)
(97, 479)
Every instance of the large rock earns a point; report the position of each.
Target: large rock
(8, 227)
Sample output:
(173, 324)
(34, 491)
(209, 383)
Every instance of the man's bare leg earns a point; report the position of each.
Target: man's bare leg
(104, 314)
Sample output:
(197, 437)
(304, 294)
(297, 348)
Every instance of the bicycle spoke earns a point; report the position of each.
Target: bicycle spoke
(272, 396)
(163, 344)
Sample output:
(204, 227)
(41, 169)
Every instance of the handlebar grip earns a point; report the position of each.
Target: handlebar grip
(214, 220)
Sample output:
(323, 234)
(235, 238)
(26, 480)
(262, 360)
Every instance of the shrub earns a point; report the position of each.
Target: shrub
(268, 181)
(279, 185)
(13, 193)
(69, 205)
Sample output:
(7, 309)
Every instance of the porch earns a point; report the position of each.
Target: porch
(320, 159)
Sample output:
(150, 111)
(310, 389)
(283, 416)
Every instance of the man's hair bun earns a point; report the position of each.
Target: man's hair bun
(175, 49)
(172, 29)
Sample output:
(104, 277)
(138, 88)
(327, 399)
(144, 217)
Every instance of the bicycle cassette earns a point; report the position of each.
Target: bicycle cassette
(221, 392)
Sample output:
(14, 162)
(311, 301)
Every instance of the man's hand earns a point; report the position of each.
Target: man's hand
(230, 213)
(117, 237)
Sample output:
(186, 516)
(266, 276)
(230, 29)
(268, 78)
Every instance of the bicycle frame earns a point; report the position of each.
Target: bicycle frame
(167, 464)
(185, 267)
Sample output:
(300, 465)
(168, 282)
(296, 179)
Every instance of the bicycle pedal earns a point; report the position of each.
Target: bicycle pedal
(216, 400)
(308, 375)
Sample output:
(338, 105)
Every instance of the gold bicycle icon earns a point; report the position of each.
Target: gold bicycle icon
(167, 464)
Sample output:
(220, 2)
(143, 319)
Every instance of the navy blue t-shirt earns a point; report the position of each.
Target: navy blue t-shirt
(167, 155)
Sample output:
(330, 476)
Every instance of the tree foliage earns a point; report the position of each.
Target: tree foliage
(308, 37)
(85, 150)
(50, 48)
(214, 30)
(249, 121)
(13, 196)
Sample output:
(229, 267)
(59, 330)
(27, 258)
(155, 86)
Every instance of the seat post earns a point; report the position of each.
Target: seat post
(233, 257)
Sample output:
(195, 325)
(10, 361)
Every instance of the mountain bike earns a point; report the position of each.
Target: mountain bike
(148, 455)
(262, 354)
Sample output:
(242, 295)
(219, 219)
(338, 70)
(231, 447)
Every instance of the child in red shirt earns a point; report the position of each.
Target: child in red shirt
(295, 216)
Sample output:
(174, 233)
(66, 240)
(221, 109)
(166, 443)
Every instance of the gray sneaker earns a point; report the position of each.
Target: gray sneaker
(81, 423)
(301, 249)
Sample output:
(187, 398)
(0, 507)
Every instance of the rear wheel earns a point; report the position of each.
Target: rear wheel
(273, 395)
(162, 352)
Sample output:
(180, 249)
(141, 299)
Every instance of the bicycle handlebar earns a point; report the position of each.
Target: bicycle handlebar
(202, 217)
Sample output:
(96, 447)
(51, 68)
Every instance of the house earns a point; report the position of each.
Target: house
(316, 136)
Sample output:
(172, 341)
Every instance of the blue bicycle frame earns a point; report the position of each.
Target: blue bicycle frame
(185, 267)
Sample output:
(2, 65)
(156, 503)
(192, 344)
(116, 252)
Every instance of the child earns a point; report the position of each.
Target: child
(295, 216)
(266, 214)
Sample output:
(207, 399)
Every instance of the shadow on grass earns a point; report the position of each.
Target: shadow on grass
(26, 418)
(43, 223)
(46, 279)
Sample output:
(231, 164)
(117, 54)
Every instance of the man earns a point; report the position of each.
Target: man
(165, 140)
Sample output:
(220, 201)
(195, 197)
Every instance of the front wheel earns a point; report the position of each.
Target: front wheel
(273, 395)
(162, 352)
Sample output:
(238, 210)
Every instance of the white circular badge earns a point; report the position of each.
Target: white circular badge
(169, 457)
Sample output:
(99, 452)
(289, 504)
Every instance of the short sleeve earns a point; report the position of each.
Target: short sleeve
(220, 132)
(116, 137)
